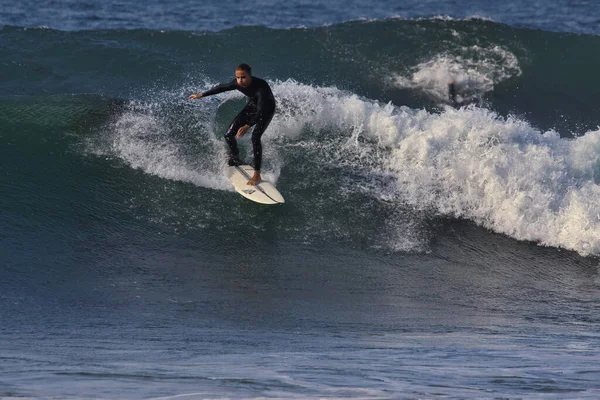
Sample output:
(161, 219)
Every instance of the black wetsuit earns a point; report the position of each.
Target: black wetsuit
(258, 112)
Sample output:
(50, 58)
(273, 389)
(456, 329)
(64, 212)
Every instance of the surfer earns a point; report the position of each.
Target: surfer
(452, 93)
(453, 99)
(258, 112)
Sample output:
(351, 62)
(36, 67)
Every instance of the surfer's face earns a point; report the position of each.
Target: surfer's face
(244, 78)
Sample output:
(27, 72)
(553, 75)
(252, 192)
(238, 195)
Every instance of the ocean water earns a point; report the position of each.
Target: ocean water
(424, 251)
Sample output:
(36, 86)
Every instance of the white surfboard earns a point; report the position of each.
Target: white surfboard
(263, 192)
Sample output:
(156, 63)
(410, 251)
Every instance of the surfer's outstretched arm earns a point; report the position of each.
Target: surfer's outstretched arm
(224, 87)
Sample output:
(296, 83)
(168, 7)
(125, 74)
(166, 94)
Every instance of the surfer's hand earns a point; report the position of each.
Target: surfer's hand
(196, 96)
(242, 131)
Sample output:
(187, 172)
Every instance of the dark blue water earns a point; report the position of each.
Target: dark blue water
(578, 16)
(424, 251)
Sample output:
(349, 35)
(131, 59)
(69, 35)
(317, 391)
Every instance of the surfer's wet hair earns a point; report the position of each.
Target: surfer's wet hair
(244, 67)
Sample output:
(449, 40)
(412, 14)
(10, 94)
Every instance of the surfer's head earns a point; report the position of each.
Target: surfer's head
(243, 75)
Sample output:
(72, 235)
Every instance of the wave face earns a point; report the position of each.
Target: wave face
(363, 136)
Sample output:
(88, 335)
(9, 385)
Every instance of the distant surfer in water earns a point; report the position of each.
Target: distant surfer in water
(452, 93)
(454, 100)
(258, 112)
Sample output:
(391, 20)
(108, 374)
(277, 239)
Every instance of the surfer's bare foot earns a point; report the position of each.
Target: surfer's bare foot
(255, 178)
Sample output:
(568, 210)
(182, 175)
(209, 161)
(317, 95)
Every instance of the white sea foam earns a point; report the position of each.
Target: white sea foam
(475, 71)
(471, 163)
(474, 17)
(142, 138)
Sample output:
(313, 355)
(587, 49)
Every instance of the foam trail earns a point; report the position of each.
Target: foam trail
(141, 142)
(167, 139)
